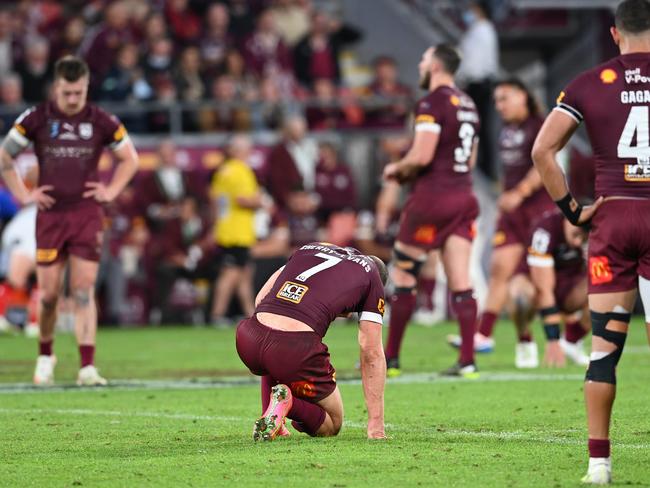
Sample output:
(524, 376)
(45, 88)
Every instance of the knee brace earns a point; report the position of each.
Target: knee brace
(602, 367)
(407, 264)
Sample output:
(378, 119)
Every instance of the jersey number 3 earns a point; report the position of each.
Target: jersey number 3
(637, 123)
(463, 153)
(328, 263)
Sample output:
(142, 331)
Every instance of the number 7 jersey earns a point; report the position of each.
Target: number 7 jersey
(612, 99)
(452, 115)
(322, 281)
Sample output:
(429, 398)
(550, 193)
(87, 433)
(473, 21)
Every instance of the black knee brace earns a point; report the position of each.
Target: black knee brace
(603, 370)
(406, 263)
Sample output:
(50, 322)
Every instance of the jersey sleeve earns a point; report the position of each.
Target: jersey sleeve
(374, 304)
(246, 181)
(539, 252)
(24, 129)
(569, 100)
(428, 116)
(114, 132)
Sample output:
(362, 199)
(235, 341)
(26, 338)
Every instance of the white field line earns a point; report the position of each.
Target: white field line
(207, 383)
(517, 435)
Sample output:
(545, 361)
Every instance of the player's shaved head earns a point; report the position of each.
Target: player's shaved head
(633, 16)
(381, 267)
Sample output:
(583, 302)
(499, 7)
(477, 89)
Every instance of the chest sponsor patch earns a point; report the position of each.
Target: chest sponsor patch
(600, 271)
(292, 292)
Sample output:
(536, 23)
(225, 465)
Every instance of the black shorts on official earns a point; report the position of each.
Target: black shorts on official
(235, 256)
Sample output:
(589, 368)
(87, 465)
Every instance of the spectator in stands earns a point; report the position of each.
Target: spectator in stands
(155, 27)
(317, 53)
(386, 84)
(324, 112)
(216, 41)
(8, 47)
(479, 68)
(184, 24)
(267, 112)
(236, 196)
(264, 51)
(292, 18)
(158, 60)
(125, 81)
(226, 116)
(242, 19)
(70, 41)
(102, 43)
(11, 100)
(188, 78)
(159, 121)
(35, 69)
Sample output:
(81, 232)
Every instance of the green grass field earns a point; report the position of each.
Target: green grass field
(181, 408)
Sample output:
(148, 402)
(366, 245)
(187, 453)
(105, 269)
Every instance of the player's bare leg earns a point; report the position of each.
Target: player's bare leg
(333, 406)
(610, 315)
(455, 259)
(227, 284)
(521, 302)
(577, 325)
(407, 261)
(83, 275)
(49, 281)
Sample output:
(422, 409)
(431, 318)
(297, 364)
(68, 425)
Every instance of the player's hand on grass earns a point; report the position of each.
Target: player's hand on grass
(376, 429)
(99, 192)
(554, 356)
(589, 211)
(40, 197)
(509, 201)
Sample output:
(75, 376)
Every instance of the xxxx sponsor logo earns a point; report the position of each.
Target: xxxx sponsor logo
(304, 389)
(600, 270)
(425, 234)
(46, 255)
(292, 292)
(381, 306)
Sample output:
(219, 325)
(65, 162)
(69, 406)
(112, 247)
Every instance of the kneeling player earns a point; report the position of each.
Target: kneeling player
(557, 268)
(282, 341)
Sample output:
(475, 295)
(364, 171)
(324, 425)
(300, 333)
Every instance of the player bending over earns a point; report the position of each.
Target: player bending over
(69, 136)
(441, 209)
(612, 99)
(282, 341)
(557, 269)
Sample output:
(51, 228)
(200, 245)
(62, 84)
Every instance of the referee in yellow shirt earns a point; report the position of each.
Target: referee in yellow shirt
(236, 195)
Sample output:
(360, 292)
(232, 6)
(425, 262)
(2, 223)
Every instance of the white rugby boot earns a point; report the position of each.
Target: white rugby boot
(89, 376)
(599, 472)
(44, 372)
(526, 355)
(575, 352)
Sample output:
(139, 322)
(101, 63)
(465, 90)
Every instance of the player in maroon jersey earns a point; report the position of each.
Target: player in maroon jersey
(69, 136)
(282, 341)
(612, 99)
(557, 269)
(441, 208)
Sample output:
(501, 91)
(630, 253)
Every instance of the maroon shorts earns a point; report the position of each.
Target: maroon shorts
(427, 221)
(297, 359)
(515, 227)
(74, 230)
(619, 246)
(564, 285)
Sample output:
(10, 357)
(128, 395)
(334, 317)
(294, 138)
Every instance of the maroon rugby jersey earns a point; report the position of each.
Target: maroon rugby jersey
(68, 148)
(452, 114)
(613, 100)
(549, 247)
(322, 281)
(515, 145)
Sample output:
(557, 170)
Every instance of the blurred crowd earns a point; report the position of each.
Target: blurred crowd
(235, 64)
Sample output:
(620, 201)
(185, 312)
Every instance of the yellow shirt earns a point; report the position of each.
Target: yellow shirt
(235, 224)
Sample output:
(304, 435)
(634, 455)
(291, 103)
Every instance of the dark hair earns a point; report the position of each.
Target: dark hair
(633, 16)
(534, 108)
(381, 267)
(448, 56)
(70, 68)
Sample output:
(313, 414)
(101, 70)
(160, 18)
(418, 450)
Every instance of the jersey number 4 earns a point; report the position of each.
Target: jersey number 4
(328, 263)
(637, 123)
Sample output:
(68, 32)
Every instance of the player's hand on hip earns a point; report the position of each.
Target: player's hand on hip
(589, 211)
(40, 197)
(99, 192)
(509, 201)
(553, 355)
(391, 171)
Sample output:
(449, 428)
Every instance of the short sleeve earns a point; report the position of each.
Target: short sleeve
(539, 252)
(374, 304)
(568, 101)
(114, 132)
(24, 129)
(428, 116)
(247, 182)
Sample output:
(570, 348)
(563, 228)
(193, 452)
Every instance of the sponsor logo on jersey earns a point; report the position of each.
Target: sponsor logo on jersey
(119, 134)
(455, 101)
(46, 255)
(425, 119)
(560, 97)
(86, 130)
(55, 127)
(381, 306)
(608, 76)
(304, 389)
(599, 270)
(637, 172)
(292, 292)
(635, 76)
(499, 238)
(425, 234)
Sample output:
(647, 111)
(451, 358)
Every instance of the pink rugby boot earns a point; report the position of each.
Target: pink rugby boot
(271, 424)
